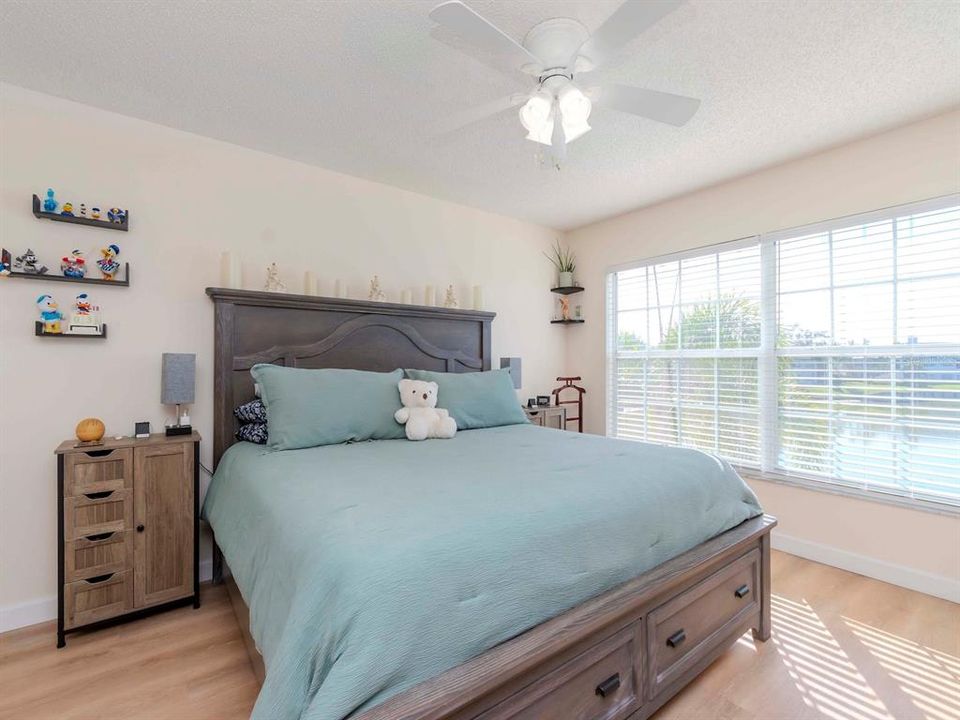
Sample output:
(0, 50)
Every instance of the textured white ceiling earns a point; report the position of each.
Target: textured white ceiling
(352, 85)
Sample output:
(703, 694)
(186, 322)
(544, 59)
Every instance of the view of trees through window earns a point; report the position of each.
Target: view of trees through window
(832, 354)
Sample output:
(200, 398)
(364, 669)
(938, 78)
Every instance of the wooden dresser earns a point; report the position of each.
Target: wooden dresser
(551, 416)
(128, 540)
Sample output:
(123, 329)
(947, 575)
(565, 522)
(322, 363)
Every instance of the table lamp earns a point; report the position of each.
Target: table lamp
(177, 380)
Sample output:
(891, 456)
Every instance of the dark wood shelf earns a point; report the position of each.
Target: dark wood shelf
(38, 329)
(569, 290)
(565, 322)
(62, 278)
(77, 220)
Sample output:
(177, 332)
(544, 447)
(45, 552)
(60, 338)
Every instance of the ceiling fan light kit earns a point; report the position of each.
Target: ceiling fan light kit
(556, 112)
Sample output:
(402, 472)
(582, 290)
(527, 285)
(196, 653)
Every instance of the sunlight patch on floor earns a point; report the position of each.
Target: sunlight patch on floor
(821, 671)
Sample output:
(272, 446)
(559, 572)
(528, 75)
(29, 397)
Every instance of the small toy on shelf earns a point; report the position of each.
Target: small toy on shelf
(67, 209)
(5, 262)
(83, 210)
(108, 262)
(50, 203)
(274, 283)
(73, 265)
(49, 314)
(116, 215)
(450, 301)
(564, 307)
(376, 293)
(95, 213)
(85, 318)
(28, 262)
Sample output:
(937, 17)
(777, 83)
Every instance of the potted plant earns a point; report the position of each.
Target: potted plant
(565, 262)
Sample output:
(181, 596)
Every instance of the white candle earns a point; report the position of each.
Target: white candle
(430, 296)
(406, 297)
(309, 283)
(477, 297)
(339, 289)
(230, 270)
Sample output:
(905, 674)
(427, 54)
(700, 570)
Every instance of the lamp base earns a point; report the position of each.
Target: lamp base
(178, 430)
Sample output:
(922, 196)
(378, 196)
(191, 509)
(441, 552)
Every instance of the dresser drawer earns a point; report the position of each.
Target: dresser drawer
(700, 617)
(97, 554)
(602, 683)
(97, 512)
(98, 470)
(97, 598)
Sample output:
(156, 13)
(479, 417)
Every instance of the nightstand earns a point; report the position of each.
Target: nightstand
(128, 540)
(551, 416)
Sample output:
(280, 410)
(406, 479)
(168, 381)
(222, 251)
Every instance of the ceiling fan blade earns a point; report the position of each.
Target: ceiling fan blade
(627, 21)
(466, 23)
(660, 106)
(476, 114)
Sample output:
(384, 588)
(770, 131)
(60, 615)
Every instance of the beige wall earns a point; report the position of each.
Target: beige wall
(911, 163)
(190, 199)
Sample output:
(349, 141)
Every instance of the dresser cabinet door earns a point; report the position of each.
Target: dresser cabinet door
(163, 518)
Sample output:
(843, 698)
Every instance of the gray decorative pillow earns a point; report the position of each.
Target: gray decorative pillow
(253, 432)
(251, 412)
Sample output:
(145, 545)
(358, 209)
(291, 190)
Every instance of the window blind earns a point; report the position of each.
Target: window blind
(828, 354)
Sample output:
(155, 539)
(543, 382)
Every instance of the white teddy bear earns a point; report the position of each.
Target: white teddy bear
(420, 412)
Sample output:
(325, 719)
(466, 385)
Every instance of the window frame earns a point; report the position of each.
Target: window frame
(767, 354)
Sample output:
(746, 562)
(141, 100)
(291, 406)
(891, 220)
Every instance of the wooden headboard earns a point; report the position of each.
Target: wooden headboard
(317, 332)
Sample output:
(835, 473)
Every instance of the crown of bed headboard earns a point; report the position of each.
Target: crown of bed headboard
(253, 327)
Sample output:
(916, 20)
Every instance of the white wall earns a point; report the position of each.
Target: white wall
(191, 198)
(911, 163)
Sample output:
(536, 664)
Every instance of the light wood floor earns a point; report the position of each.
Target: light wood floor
(844, 647)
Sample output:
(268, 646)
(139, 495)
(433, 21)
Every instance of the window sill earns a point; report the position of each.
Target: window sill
(824, 486)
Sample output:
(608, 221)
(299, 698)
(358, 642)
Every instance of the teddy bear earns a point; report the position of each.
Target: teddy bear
(420, 412)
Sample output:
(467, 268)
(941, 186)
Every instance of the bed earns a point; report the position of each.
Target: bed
(525, 573)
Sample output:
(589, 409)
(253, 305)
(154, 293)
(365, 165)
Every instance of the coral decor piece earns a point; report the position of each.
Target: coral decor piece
(450, 300)
(274, 284)
(376, 293)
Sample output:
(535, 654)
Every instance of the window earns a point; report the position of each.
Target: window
(828, 354)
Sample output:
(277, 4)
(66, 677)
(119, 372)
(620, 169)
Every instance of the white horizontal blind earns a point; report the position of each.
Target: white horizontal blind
(860, 321)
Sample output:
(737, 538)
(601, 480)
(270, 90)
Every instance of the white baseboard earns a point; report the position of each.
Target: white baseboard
(936, 585)
(45, 609)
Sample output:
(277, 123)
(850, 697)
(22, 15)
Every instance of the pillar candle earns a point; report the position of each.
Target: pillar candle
(429, 296)
(309, 283)
(406, 297)
(477, 297)
(230, 270)
(339, 289)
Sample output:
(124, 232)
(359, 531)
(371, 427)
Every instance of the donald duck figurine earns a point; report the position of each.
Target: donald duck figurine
(108, 263)
(49, 315)
(73, 265)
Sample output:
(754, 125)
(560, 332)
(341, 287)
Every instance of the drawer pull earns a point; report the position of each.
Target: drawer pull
(609, 686)
(98, 453)
(677, 638)
(98, 495)
(742, 591)
(140, 527)
(99, 579)
(99, 536)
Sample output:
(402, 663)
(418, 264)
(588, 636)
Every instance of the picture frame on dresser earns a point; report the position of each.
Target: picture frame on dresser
(128, 542)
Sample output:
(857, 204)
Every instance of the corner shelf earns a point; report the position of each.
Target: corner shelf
(78, 220)
(38, 330)
(62, 278)
(565, 322)
(568, 290)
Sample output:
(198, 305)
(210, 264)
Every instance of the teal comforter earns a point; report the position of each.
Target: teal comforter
(370, 567)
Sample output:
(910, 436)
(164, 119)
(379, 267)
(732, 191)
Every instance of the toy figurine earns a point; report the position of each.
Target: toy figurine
(273, 280)
(28, 261)
(564, 308)
(5, 262)
(108, 262)
(49, 314)
(50, 203)
(82, 306)
(83, 210)
(95, 213)
(85, 318)
(450, 301)
(376, 293)
(67, 209)
(73, 265)
(116, 215)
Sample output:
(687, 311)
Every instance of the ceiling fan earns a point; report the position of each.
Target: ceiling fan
(556, 111)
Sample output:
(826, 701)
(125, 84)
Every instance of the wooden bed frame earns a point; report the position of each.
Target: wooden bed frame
(622, 654)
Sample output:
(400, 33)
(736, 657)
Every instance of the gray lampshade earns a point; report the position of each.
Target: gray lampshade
(177, 378)
(513, 365)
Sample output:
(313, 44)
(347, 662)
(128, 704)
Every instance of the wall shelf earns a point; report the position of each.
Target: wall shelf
(569, 290)
(565, 322)
(38, 329)
(62, 278)
(78, 220)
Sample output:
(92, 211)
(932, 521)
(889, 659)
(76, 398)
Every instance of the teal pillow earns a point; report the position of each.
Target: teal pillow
(475, 399)
(306, 408)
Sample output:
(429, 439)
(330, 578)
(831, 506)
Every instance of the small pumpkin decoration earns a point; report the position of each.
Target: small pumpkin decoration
(90, 429)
